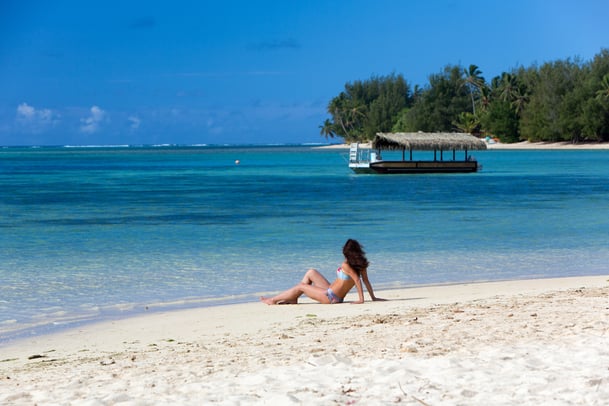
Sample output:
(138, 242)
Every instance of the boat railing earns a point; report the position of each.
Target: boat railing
(360, 155)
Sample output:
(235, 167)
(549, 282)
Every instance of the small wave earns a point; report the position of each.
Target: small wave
(170, 145)
(11, 321)
(98, 146)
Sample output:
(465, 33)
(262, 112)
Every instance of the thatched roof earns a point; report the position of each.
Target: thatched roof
(427, 141)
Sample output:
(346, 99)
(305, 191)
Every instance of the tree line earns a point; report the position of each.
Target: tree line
(564, 100)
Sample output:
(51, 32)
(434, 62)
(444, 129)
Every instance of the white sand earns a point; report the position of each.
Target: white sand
(519, 342)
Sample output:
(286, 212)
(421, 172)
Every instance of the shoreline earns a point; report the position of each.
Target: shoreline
(439, 343)
(20, 334)
(523, 145)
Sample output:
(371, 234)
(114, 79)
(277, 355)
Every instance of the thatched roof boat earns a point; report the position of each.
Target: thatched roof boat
(427, 141)
(368, 161)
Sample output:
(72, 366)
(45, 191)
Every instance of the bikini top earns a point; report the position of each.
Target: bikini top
(340, 274)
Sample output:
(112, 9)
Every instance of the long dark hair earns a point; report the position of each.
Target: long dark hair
(355, 256)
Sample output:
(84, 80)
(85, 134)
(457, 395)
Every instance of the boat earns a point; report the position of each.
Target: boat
(369, 160)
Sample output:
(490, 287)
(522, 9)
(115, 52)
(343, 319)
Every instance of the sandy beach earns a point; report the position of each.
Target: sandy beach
(515, 342)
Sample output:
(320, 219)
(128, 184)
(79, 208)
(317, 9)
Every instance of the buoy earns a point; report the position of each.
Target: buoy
(237, 162)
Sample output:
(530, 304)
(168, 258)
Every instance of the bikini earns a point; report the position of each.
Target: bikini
(333, 298)
(340, 274)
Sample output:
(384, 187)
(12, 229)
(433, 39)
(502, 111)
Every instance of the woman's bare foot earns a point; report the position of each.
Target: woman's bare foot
(270, 301)
(267, 300)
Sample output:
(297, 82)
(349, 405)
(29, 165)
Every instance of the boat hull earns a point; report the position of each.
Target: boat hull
(389, 167)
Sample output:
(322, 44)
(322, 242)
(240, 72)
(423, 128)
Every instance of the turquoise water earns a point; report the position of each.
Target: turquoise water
(94, 233)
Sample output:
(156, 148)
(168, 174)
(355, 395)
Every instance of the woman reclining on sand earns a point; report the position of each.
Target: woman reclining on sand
(351, 273)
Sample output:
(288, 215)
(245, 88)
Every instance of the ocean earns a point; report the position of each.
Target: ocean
(94, 233)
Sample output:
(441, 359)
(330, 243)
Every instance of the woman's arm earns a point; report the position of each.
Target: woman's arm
(360, 291)
(358, 283)
(364, 274)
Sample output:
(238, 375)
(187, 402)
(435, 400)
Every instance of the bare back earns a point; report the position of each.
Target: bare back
(341, 287)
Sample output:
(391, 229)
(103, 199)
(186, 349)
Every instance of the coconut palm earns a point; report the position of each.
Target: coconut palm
(355, 114)
(511, 91)
(417, 93)
(603, 92)
(467, 122)
(327, 129)
(336, 108)
(508, 87)
(485, 97)
(474, 82)
(519, 101)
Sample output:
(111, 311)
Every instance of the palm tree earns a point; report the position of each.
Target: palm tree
(508, 87)
(338, 113)
(474, 81)
(512, 92)
(348, 117)
(519, 101)
(603, 92)
(467, 122)
(327, 129)
(417, 93)
(355, 114)
(485, 97)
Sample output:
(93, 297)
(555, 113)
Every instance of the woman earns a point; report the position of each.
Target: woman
(351, 273)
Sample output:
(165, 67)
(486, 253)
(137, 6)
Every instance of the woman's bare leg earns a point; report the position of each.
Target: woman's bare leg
(291, 295)
(313, 277)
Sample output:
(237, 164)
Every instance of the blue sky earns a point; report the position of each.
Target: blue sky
(195, 72)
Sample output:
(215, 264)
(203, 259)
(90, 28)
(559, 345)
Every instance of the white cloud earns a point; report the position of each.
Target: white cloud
(135, 122)
(35, 120)
(91, 124)
(25, 112)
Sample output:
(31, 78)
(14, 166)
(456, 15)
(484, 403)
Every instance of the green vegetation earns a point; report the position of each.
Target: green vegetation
(565, 100)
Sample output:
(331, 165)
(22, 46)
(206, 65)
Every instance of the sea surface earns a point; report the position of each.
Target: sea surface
(98, 233)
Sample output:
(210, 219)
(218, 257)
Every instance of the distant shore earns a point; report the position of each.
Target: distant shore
(518, 145)
(511, 342)
(549, 145)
